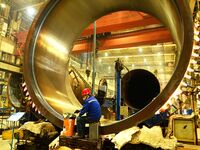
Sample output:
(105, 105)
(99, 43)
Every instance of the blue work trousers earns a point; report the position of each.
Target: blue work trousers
(80, 124)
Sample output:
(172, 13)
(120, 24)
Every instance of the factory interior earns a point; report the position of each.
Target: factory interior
(139, 58)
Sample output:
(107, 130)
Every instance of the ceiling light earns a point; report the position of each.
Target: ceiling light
(140, 50)
(3, 5)
(106, 54)
(30, 11)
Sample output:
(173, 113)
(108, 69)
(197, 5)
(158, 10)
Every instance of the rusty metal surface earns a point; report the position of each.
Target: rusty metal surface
(58, 25)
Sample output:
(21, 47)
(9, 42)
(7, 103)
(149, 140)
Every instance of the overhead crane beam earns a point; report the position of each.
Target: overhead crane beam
(118, 21)
(122, 20)
(144, 37)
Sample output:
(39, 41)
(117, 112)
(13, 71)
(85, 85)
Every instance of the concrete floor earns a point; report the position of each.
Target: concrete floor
(185, 147)
(5, 145)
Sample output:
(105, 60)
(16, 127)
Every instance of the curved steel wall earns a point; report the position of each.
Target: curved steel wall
(51, 38)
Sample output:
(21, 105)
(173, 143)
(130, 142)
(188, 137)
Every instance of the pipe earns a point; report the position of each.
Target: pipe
(140, 87)
(118, 69)
(51, 38)
(118, 95)
(94, 59)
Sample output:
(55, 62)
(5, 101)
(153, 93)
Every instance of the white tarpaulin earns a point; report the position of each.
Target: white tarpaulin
(149, 136)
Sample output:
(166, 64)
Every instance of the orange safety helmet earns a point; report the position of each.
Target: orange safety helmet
(86, 91)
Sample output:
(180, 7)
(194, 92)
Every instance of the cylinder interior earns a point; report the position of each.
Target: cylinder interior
(51, 38)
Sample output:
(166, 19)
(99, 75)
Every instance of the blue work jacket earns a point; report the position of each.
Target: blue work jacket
(92, 109)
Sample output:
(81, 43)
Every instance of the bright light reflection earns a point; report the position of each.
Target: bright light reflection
(176, 93)
(61, 104)
(196, 38)
(54, 46)
(196, 32)
(193, 61)
(184, 84)
(196, 47)
(190, 69)
(187, 76)
(196, 25)
(195, 55)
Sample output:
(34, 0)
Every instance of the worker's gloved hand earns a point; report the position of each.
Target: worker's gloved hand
(77, 111)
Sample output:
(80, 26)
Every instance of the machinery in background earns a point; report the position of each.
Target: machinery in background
(102, 91)
(15, 92)
(77, 83)
(20, 99)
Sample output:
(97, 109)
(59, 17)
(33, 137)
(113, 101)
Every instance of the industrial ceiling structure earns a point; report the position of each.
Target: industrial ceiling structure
(138, 39)
(26, 9)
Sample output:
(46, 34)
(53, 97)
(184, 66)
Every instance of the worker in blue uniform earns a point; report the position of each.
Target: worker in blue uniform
(91, 108)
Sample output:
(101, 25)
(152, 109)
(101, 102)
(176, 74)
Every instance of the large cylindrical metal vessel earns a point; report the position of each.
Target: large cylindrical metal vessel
(51, 38)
